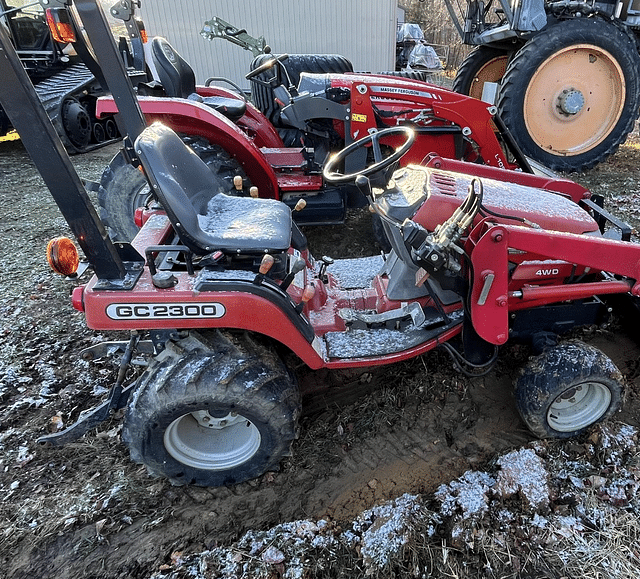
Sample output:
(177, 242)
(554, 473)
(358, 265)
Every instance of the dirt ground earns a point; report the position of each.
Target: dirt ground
(411, 470)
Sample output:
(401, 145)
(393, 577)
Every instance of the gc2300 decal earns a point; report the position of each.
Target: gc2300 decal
(208, 310)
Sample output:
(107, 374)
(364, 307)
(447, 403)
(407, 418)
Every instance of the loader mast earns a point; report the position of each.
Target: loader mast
(20, 101)
(113, 69)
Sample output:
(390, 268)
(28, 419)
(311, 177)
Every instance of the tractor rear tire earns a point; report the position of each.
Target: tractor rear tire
(212, 410)
(123, 188)
(482, 64)
(570, 95)
(566, 389)
(421, 75)
(263, 96)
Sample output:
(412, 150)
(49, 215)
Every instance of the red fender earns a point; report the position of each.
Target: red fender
(194, 118)
(253, 122)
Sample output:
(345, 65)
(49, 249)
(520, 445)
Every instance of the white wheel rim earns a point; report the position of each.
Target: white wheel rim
(579, 407)
(201, 441)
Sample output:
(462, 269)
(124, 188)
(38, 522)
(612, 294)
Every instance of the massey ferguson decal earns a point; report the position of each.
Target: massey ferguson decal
(405, 91)
(209, 310)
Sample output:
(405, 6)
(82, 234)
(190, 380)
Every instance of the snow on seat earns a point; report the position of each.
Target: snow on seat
(205, 218)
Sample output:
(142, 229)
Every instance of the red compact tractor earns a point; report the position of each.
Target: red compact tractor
(220, 290)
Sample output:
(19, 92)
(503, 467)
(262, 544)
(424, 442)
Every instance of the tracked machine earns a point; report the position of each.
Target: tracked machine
(64, 71)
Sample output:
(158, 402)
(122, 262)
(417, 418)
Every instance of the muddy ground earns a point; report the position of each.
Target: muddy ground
(391, 434)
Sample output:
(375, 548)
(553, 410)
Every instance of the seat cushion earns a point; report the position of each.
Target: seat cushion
(233, 109)
(245, 223)
(204, 218)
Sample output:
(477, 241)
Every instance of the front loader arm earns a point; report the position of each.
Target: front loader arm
(492, 300)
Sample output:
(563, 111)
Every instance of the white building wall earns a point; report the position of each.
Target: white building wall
(361, 30)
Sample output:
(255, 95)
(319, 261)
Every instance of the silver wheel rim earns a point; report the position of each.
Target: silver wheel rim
(579, 406)
(201, 441)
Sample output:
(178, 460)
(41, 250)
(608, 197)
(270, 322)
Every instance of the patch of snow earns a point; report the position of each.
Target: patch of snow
(539, 521)
(467, 494)
(522, 471)
(387, 528)
(240, 219)
(232, 274)
(356, 273)
(566, 526)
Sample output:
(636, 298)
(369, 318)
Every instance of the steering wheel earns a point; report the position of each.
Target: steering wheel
(271, 62)
(332, 176)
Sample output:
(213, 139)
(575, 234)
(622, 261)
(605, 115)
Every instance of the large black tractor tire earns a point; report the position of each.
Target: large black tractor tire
(421, 75)
(482, 64)
(263, 96)
(123, 188)
(571, 94)
(212, 411)
(566, 389)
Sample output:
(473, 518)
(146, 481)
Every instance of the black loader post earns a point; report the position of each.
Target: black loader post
(116, 265)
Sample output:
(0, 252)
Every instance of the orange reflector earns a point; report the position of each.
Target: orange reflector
(60, 25)
(62, 256)
(141, 29)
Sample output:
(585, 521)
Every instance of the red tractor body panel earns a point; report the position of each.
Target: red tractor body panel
(558, 258)
(515, 267)
(396, 101)
(194, 118)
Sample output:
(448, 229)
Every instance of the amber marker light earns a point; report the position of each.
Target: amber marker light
(62, 256)
(143, 32)
(60, 25)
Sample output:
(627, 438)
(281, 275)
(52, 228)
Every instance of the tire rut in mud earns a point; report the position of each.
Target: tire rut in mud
(349, 458)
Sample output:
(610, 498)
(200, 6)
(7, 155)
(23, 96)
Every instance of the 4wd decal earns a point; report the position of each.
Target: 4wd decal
(547, 272)
(209, 310)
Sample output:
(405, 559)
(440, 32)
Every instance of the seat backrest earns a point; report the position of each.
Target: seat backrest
(174, 72)
(181, 180)
(204, 218)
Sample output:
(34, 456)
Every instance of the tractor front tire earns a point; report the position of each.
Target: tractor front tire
(482, 64)
(566, 389)
(570, 95)
(211, 411)
(123, 188)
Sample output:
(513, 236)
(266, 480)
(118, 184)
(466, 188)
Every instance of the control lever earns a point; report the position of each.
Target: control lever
(433, 251)
(296, 267)
(364, 186)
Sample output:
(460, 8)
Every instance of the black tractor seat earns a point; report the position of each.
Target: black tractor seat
(204, 218)
(178, 80)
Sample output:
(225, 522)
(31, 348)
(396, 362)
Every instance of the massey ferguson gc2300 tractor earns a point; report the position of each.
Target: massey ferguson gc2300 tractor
(223, 293)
